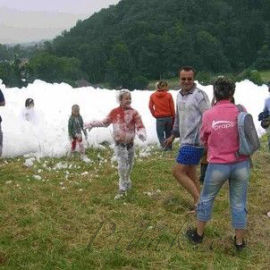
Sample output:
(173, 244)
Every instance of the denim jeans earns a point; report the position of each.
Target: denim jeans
(164, 128)
(216, 175)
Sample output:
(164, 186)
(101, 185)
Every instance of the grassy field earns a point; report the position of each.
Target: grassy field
(61, 214)
(265, 75)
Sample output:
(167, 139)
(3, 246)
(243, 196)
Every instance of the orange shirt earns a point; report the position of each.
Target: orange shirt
(161, 104)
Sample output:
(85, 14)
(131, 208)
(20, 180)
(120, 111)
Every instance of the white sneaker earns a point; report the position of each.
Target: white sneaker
(85, 158)
(120, 194)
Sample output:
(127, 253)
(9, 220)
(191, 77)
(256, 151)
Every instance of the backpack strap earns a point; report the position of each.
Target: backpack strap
(240, 108)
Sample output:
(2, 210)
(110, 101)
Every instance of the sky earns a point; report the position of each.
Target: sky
(24, 21)
(47, 136)
(66, 6)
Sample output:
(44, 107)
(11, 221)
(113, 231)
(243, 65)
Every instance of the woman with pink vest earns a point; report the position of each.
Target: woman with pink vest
(219, 134)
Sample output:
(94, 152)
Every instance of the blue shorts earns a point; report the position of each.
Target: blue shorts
(189, 155)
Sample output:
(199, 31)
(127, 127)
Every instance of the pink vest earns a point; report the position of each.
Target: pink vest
(219, 133)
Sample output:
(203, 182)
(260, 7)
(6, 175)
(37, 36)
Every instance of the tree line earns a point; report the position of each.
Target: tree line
(134, 42)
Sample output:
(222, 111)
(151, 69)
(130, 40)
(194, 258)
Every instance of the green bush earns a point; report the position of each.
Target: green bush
(140, 82)
(203, 77)
(252, 75)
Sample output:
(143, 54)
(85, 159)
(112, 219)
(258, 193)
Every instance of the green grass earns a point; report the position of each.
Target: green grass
(69, 219)
(265, 75)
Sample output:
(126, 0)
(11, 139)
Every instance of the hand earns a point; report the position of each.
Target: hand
(169, 141)
(142, 137)
(88, 126)
(78, 136)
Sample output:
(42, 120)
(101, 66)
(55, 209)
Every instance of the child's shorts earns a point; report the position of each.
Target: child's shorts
(189, 155)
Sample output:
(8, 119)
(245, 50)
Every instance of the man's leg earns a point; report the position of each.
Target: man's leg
(192, 174)
(182, 174)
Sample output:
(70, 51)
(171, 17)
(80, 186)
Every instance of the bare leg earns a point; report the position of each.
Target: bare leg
(191, 172)
(181, 173)
(239, 234)
(200, 227)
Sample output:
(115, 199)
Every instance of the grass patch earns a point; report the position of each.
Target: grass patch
(265, 75)
(61, 214)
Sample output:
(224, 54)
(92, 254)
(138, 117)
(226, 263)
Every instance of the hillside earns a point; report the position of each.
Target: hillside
(134, 42)
(153, 38)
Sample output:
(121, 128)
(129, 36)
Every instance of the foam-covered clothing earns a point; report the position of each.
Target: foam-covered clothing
(75, 126)
(126, 123)
(190, 107)
(30, 115)
(161, 104)
(219, 133)
(125, 159)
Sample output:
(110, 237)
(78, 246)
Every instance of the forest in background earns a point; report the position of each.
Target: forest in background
(135, 42)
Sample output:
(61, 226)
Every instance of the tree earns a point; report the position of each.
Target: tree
(51, 68)
(120, 67)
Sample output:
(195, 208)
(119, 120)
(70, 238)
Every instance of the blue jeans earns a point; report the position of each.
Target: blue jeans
(164, 129)
(216, 175)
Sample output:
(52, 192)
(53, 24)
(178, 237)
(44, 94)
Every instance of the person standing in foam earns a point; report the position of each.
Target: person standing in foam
(75, 129)
(29, 114)
(126, 123)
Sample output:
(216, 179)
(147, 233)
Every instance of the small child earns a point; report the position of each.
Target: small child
(126, 122)
(75, 129)
(161, 106)
(29, 113)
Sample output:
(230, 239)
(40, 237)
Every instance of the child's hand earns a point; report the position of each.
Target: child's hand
(88, 126)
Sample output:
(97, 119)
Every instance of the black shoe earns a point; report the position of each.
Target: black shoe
(193, 236)
(241, 246)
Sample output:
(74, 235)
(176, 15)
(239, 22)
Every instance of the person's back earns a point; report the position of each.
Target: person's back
(222, 133)
(161, 106)
(219, 134)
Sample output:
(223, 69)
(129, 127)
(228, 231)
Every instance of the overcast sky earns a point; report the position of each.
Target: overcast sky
(67, 6)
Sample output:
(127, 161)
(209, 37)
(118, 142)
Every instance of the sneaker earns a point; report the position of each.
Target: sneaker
(241, 246)
(193, 236)
(85, 159)
(121, 193)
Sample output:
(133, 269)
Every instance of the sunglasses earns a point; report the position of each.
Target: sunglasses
(187, 79)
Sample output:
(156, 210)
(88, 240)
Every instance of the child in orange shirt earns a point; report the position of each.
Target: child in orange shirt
(161, 106)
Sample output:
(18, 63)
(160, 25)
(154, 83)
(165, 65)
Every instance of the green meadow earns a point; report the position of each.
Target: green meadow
(61, 213)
